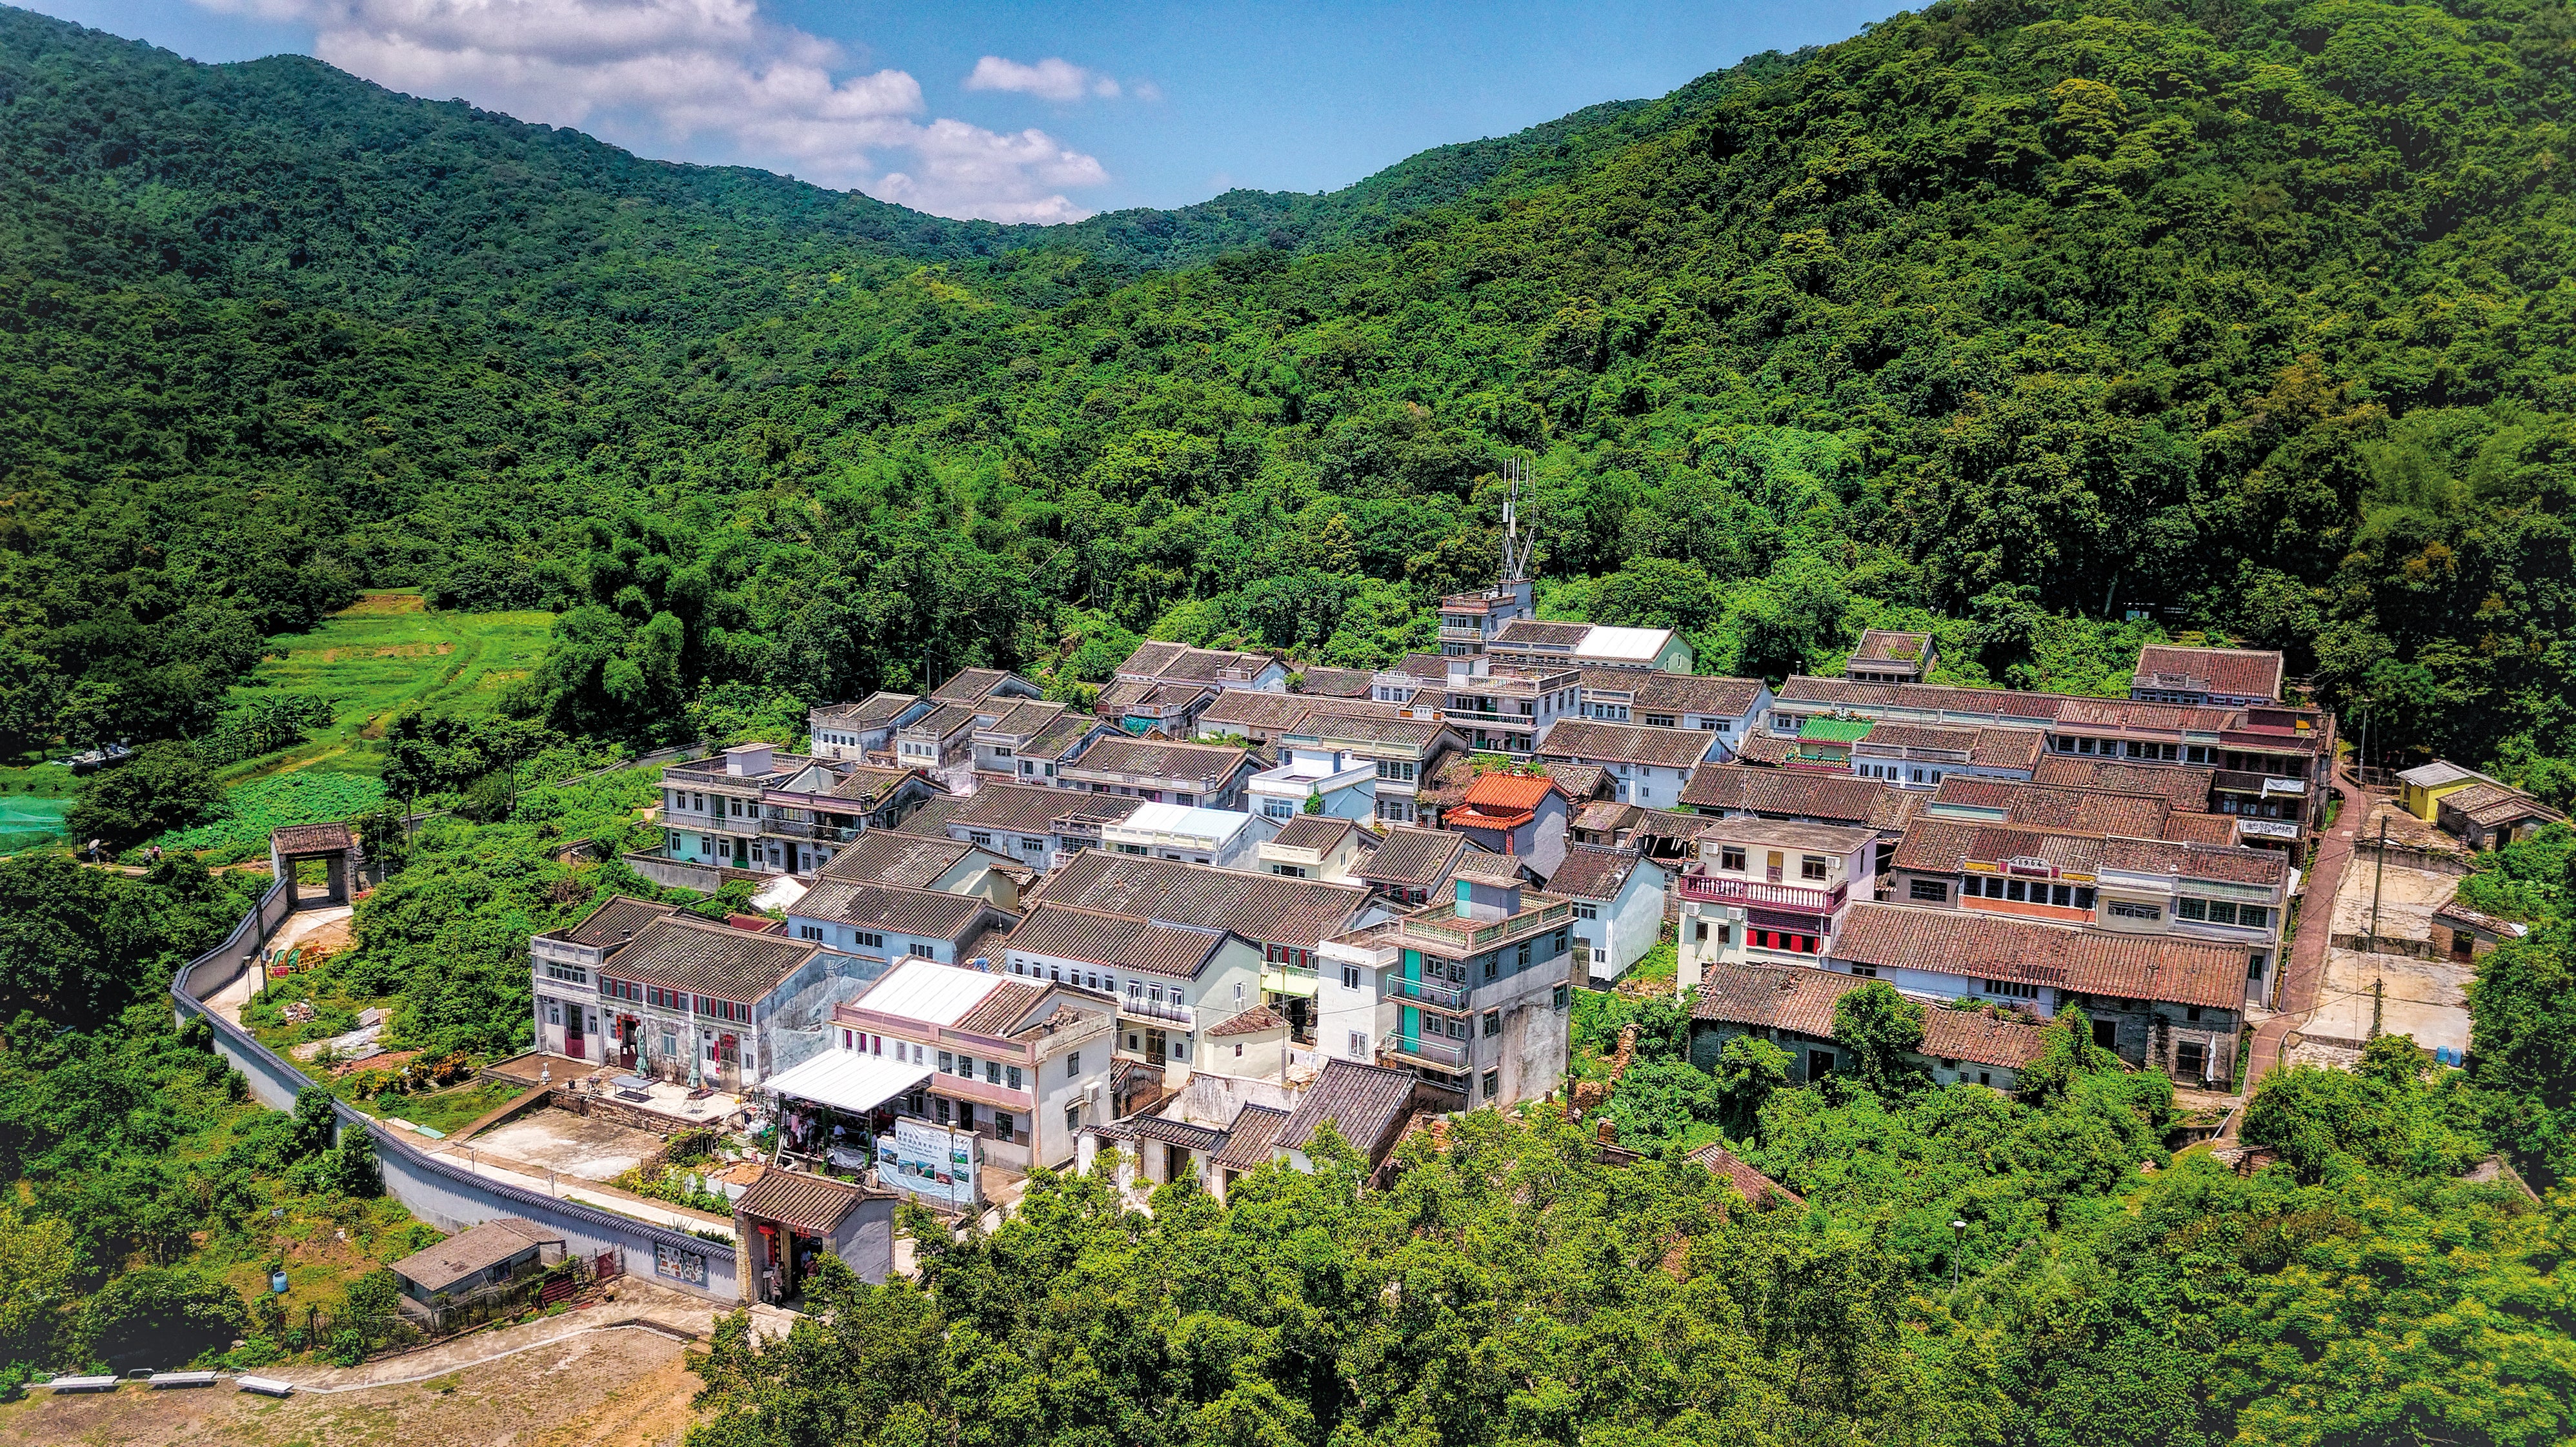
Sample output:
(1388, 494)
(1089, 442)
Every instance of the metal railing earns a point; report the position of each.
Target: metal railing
(807, 829)
(1449, 932)
(1438, 993)
(1143, 1008)
(1719, 889)
(1448, 1053)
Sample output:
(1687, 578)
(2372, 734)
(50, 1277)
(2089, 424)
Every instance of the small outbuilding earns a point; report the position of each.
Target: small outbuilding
(489, 1255)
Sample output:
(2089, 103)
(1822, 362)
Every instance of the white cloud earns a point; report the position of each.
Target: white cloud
(711, 77)
(1050, 79)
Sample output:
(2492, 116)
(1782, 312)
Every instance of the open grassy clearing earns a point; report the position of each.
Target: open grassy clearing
(382, 654)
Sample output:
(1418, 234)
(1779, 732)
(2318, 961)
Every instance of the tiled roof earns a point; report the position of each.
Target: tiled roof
(1767, 749)
(1337, 720)
(1590, 872)
(880, 707)
(1997, 702)
(2187, 788)
(1364, 1102)
(1263, 908)
(1919, 736)
(1249, 1138)
(469, 1252)
(1119, 754)
(312, 838)
(1486, 867)
(1627, 743)
(1180, 661)
(2458, 915)
(945, 721)
(1004, 1010)
(1254, 1021)
(1531, 631)
(2037, 806)
(1501, 792)
(1335, 682)
(811, 1204)
(2091, 962)
(970, 685)
(1974, 1035)
(1938, 845)
(883, 856)
(618, 919)
(680, 953)
(1258, 715)
(2237, 672)
(1661, 692)
(1825, 798)
(2128, 713)
(1883, 645)
(933, 816)
(1413, 858)
(1028, 808)
(1445, 777)
(2496, 804)
(1997, 748)
(1605, 816)
(1320, 832)
(1122, 941)
(1581, 781)
(1429, 667)
(1121, 693)
(926, 913)
(1780, 997)
(1205, 1140)
(869, 785)
(1050, 742)
(2214, 829)
(1758, 1190)
(1026, 717)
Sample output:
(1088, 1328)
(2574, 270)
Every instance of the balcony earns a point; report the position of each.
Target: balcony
(808, 829)
(1437, 1053)
(1462, 635)
(1144, 1009)
(1446, 932)
(2283, 829)
(1439, 994)
(1300, 780)
(1719, 889)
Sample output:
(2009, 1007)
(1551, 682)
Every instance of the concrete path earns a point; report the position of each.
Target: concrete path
(298, 926)
(2303, 975)
(569, 1188)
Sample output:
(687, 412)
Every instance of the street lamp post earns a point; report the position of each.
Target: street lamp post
(1958, 1237)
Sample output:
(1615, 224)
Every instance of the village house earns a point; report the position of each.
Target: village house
(1159, 772)
(2206, 677)
(1522, 816)
(684, 998)
(1249, 716)
(1019, 1064)
(2420, 789)
(1534, 644)
(1886, 656)
(2491, 816)
(879, 923)
(1768, 891)
(1314, 778)
(472, 1263)
(1286, 917)
(1793, 1008)
(1368, 1106)
(931, 861)
(1172, 982)
(1226, 838)
(1618, 899)
(1024, 743)
(1313, 846)
(1036, 825)
(1166, 686)
(1496, 708)
(1732, 708)
(863, 732)
(1402, 753)
(1410, 865)
(760, 811)
(2162, 1001)
(1648, 766)
(1470, 993)
(2238, 897)
(1470, 621)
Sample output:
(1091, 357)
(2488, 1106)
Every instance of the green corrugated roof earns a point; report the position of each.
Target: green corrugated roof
(1834, 730)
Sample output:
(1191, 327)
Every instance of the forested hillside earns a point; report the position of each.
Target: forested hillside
(2254, 317)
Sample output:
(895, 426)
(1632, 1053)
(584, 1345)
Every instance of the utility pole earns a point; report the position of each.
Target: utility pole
(2378, 999)
(2378, 878)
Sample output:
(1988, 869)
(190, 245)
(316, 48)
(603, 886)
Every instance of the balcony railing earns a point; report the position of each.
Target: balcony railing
(1438, 993)
(1448, 932)
(1717, 888)
(808, 829)
(1461, 635)
(1145, 1009)
(1448, 1054)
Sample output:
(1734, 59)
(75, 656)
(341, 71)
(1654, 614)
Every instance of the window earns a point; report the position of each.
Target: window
(947, 1063)
(1521, 960)
(1699, 932)
(569, 974)
(1559, 1000)
(1003, 1125)
(1493, 1022)
(1396, 770)
(1866, 972)
(554, 1012)
(992, 1072)
(1586, 911)
(979, 838)
(1359, 1045)
(1493, 1084)
(809, 932)
(2131, 909)
(2011, 990)
(1493, 967)
(1931, 891)
(1072, 1064)
(1014, 1077)
(1731, 857)
(939, 1109)
(2254, 916)
(1811, 866)
(1278, 809)
(866, 941)
(1350, 977)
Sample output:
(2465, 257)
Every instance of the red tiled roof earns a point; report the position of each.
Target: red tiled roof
(1758, 1190)
(1251, 1022)
(1585, 739)
(1500, 792)
(810, 1204)
(2187, 788)
(2236, 672)
(2086, 961)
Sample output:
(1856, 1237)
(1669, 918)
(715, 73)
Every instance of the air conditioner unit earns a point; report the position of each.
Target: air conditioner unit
(1091, 1093)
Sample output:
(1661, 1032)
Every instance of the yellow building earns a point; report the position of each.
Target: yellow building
(2421, 788)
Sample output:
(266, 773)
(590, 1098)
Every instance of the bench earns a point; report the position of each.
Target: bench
(265, 1386)
(79, 1384)
(181, 1379)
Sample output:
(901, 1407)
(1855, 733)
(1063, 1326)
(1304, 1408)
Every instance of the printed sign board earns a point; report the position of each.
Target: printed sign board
(932, 1162)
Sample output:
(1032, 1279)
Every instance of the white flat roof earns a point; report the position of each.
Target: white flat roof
(920, 989)
(1641, 644)
(1185, 819)
(847, 1080)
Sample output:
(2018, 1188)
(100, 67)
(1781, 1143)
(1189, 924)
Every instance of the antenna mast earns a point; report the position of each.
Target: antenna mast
(1516, 554)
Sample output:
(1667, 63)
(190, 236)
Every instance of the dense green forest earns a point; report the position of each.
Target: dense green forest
(2253, 317)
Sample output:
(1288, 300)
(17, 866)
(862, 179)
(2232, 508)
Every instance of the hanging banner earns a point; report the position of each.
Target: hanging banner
(932, 1162)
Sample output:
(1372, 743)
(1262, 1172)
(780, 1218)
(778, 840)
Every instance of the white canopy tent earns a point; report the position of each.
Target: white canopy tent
(850, 1082)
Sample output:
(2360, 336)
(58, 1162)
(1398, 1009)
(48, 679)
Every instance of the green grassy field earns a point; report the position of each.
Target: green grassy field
(383, 654)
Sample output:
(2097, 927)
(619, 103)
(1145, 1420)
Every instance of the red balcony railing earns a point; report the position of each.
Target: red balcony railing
(1725, 889)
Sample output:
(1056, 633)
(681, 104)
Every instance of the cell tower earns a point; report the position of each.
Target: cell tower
(1516, 553)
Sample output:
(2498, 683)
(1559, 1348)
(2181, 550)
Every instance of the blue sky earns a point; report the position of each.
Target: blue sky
(1012, 111)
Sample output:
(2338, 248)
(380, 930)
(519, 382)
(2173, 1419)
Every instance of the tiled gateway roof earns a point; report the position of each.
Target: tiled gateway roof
(1120, 941)
(1264, 908)
(1627, 743)
(2235, 672)
(709, 959)
(2090, 962)
(312, 838)
(810, 1204)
